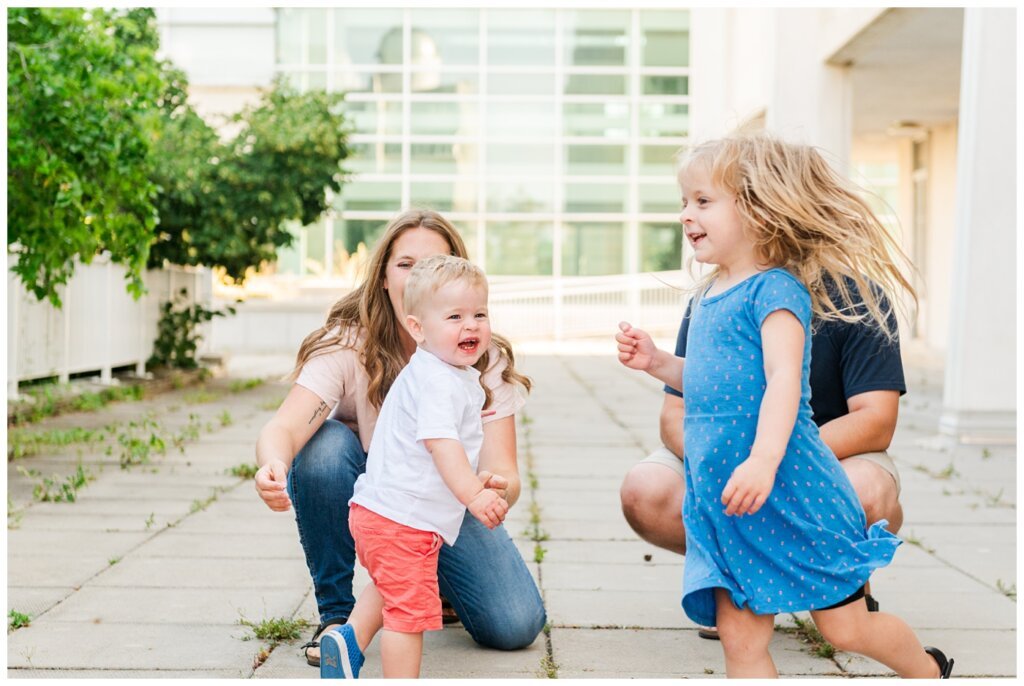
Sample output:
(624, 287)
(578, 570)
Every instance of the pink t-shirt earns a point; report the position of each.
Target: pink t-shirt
(338, 378)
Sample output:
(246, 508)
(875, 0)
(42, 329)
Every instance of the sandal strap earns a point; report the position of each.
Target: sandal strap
(315, 642)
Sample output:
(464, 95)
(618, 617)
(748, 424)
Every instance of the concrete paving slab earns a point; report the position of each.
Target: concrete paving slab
(35, 600)
(590, 577)
(986, 552)
(27, 570)
(608, 552)
(116, 507)
(583, 653)
(209, 573)
(598, 514)
(126, 674)
(985, 653)
(96, 523)
(586, 530)
(174, 543)
(62, 543)
(181, 606)
(607, 608)
(266, 521)
(74, 645)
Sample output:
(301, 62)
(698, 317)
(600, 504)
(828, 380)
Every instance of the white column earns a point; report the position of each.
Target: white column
(810, 101)
(979, 401)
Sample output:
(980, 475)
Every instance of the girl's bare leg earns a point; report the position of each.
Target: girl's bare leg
(878, 635)
(745, 638)
(400, 654)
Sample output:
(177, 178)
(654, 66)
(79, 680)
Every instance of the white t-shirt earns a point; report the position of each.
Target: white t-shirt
(429, 399)
(338, 377)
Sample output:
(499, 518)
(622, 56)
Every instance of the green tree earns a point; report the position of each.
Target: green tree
(79, 84)
(225, 203)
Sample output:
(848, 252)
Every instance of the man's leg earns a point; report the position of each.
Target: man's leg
(876, 481)
(652, 500)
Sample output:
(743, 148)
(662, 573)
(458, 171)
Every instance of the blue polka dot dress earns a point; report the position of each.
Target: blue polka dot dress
(807, 547)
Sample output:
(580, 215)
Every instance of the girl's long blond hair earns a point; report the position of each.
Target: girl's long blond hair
(804, 217)
(368, 308)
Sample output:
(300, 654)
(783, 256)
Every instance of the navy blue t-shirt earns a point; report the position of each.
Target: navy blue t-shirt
(846, 360)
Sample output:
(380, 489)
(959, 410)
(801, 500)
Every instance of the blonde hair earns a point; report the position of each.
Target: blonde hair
(804, 217)
(429, 275)
(368, 308)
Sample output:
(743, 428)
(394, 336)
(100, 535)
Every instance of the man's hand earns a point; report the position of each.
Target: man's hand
(494, 482)
(271, 485)
(749, 486)
(488, 507)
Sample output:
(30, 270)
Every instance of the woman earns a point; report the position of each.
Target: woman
(311, 452)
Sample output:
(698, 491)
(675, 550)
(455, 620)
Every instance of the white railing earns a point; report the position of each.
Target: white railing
(576, 307)
(99, 326)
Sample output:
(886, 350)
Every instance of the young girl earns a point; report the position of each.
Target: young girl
(773, 524)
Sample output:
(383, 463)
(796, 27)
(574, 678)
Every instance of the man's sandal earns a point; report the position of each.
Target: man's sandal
(708, 632)
(945, 664)
(314, 660)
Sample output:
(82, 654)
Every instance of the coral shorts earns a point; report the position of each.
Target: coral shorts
(402, 562)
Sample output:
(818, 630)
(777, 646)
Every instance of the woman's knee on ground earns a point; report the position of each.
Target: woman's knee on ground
(513, 630)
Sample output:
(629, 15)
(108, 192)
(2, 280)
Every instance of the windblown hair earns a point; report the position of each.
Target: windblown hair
(368, 309)
(804, 217)
(431, 274)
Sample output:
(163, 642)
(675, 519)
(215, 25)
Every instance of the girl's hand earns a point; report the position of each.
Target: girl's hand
(271, 485)
(489, 507)
(749, 487)
(636, 349)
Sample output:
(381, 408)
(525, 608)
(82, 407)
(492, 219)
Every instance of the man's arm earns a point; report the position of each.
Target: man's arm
(868, 427)
(673, 411)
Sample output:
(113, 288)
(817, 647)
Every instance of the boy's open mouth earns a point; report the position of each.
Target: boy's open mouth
(469, 345)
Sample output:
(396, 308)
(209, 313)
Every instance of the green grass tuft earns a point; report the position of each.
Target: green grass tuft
(276, 629)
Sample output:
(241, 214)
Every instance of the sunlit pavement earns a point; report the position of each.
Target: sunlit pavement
(150, 572)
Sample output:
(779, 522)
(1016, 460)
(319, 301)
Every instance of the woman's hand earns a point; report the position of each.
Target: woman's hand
(494, 482)
(749, 486)
(271, 485)
(636, 349)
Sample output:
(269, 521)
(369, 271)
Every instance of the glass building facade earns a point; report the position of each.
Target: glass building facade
(546, 135)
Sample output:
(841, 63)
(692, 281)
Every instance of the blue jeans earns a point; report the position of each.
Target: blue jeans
(483, 575)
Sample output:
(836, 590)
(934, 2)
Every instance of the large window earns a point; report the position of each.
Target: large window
(547, 136)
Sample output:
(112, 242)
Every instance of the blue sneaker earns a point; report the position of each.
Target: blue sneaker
(340, 657)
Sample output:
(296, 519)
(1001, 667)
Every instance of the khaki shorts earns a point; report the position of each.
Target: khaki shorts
(664, 456)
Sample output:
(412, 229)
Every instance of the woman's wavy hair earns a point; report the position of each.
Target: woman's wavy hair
(367, 308)
(804, 217)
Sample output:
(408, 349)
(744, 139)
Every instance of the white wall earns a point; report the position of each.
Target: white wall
(220, 47)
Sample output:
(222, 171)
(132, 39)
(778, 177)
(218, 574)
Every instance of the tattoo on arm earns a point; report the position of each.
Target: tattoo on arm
(319, 411)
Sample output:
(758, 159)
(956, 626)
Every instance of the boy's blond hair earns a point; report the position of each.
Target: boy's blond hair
(804, 217)
(430, 274)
